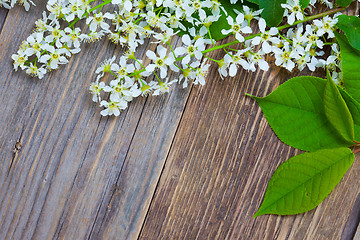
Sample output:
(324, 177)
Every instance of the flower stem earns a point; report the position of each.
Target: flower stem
(279, 28)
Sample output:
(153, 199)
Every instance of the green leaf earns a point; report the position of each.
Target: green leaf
(354, 107)
(336, 110)
(254, 1)
(295, 111)
(343, 3)
(302, 182)
(350, 25)
(304, 3)
(272, 11)
(350, 66)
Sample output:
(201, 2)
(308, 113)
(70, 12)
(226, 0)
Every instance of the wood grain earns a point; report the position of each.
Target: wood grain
(78, 175)
(191, 164)
(223, 155)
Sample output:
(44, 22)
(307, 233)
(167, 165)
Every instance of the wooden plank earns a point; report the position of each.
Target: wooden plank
(222, 158)
(3, 14)
(77, 175)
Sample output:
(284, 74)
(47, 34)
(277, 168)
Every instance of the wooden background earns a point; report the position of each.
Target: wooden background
(191, 164)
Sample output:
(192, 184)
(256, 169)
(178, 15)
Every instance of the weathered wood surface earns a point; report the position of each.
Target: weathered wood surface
(191, 164)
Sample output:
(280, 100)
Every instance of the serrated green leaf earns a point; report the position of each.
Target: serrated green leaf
(350, 25)
(304, 181)
(336, 110)
(304, 3)
(295, 111)
(272, 11)
(343, 3)
(350, 66)
(354, 108)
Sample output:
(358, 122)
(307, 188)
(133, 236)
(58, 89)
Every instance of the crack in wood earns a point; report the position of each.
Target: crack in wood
(16, 149)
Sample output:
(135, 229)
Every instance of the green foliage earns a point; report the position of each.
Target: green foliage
(336, 110)
(350, 65)
(302, 182)
(304, 3)
(272, 11)
(343, 3)
(254, 1)
(295, 111)
(350, 25)
(354, 108)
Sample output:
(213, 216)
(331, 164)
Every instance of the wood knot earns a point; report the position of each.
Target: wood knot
(17, 147)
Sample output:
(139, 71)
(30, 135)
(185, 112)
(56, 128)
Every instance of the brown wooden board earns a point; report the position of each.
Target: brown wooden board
(218, 168)
(191, 164)
(74, 165)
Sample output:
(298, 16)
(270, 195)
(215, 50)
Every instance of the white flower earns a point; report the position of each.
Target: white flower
(55, 10)
(148, 88)
(163, 87)
(26, 3)
(174, 22)
(41, 24)
(54, 57)
(198, 6)
(34, 71)
(105, 67)
(160, 62)
(187, 75)
(165, 36)
(223, 65)
(206, 22)
(266, 37)
(123, 69)
(293, 11)
(123, 5)
(72, 37)
(19, 60)
(284, 57)
(73, 9)
(333, 60)
(36, 41)
(55, 35)
(201, 73)
(327, 3)
(326, 25)
(113, 108)
(156, 21)
(235, 60)
(125, 89)
(249, 14)
(191, 49)
(311, 39)
(258, 58)
(307, 60)
(236, 27)
(99, 20)
(92, 36)
(95, 89)
(4, 3)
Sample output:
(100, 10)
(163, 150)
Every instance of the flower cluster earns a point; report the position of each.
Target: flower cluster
(131, 24)
(11, 3)
(299, 44)
(49, 45)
